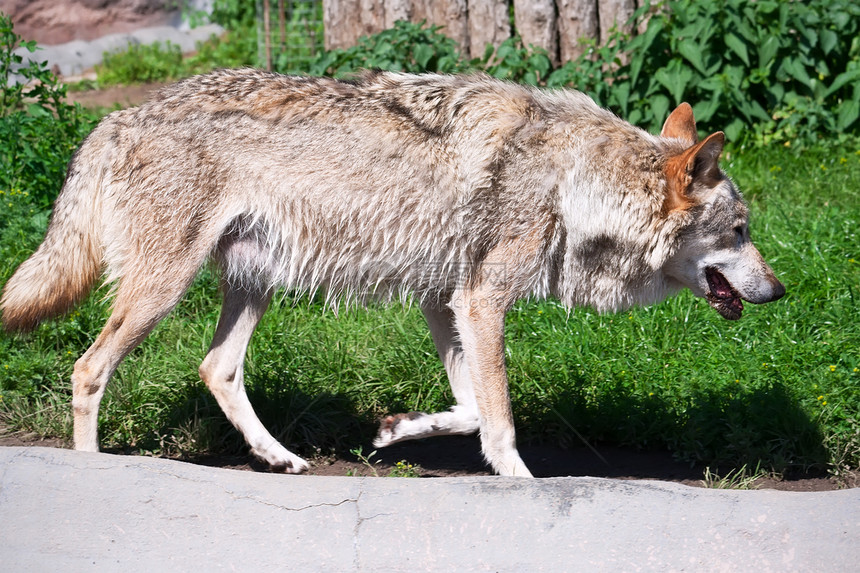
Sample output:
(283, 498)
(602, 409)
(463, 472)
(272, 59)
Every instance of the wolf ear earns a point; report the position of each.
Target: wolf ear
(698, 163)
(704, 158)
(681, 125)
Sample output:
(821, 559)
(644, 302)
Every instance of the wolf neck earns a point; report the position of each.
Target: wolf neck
(616, 241)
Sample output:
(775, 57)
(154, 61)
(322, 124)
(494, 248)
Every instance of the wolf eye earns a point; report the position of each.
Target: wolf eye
(739, 233)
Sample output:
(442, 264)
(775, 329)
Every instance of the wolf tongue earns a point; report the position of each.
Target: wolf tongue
(721, 286)
(724, 291)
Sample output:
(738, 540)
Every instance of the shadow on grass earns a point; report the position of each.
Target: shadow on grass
(762, 428)
(627, 436)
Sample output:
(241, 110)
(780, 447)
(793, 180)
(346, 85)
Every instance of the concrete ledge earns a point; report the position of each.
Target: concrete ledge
(62, 510)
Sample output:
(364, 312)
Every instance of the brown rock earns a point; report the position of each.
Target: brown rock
(52, 22)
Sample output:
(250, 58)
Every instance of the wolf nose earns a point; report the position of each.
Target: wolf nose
(778, 291)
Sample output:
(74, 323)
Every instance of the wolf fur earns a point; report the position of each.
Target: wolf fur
(468, 192)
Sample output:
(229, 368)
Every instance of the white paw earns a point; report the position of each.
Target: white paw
(513, 467)
(281, 459)
(391, 430)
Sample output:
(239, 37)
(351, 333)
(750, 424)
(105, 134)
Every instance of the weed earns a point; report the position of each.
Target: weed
(38, 129)
(365, 460)
(404, 469)
(740, 478)
(401, 469)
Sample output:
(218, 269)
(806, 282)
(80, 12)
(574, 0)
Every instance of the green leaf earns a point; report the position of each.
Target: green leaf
(735, 76)
(422, 53)
(777, 91)
(756, 110)
(703, 111)
(796, 70)
(659, 108)
(828, 39)
(767, 7)
(635, 67)
(622, 95)
(693, 53)
(841, 19)
(767, 50)
(842, 79)
(738, 47)
(848, 113)
(734, 129)
(675, 79)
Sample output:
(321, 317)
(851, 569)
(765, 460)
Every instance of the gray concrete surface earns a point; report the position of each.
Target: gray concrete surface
(74, 58)
(70, 511)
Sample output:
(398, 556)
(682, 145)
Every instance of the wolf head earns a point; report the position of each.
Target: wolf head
(715, 257)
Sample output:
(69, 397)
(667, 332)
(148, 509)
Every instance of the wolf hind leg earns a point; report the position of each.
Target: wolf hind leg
(138, 308)
(222, 371)
(460, 419)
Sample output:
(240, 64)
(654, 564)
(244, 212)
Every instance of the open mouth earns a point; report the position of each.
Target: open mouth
(722, 295)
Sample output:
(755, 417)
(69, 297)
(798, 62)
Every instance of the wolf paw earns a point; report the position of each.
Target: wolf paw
(282, 460)
(388, 429)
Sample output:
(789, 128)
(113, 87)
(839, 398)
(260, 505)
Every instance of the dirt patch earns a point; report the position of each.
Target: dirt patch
(114, 97)
(457, 456)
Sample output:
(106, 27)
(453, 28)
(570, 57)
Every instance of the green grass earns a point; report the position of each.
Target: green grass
(157, 62)
(778, 390)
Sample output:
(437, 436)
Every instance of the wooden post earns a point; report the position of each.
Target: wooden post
(397, 10)
(452, 15)
(372, 16)
(342, 21)
(488, 24)
(282, 25)
(536, 24)
(576, 19)
(267, 32)
(614, 13)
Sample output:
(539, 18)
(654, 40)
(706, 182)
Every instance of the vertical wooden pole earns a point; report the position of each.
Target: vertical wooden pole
(488, 24)
(536, 24)
(282, 21)
(577, 19)
(267, 32)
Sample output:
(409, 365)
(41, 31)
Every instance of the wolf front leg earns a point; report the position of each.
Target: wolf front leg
(479, 318)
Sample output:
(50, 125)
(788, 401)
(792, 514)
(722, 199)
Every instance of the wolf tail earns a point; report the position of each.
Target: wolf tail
(67, 263)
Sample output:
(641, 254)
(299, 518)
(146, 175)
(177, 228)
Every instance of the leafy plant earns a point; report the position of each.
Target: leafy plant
(760, 70)
(740, 478)
(515, 62)
(404, 469)
(141, 63)
(303, 37)
(407, 47)
(238, 17)
(156, 62)
(38, 129)
(365, 460)
(231, 50)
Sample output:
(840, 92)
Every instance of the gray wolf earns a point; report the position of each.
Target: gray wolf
(466, 192)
